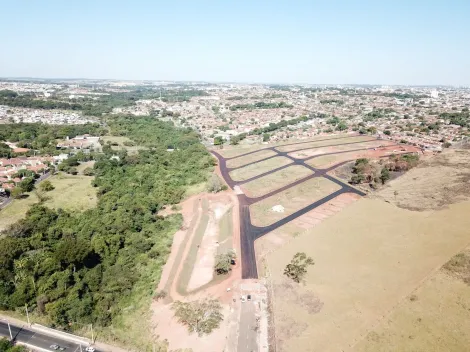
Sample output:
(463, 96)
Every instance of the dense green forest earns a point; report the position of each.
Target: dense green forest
(260, 105)
(11, 98)
(82, 267)
(43, 137)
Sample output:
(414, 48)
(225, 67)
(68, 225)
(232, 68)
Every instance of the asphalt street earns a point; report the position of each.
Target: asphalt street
(40, 340)
(248, 232)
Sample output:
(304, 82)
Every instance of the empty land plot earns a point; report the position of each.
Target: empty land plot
(339, 148)
(329, 160)
(226, 232)
(320, 143)
(367, 258)
(436, 182)
(231, 152)
(292, 199)
(256, 169)
(250, 158)
(275, 180)
(72, 193)
(433, 318)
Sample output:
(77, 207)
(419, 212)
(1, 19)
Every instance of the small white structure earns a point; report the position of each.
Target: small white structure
(278, 208)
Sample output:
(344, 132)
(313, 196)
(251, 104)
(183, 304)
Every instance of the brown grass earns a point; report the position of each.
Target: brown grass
(367, 258)
(319, 143)
(258, 168)
(292, 199)
(275, 180)
(250, 158)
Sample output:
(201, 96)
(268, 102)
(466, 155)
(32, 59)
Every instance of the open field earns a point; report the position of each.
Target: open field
(435, 317)
(367, 258)
(250, 158)
(292, 199)
(73, 193)
(331, 142)
(226, 232)
(252, 170)
(120, 141)
(330, 160)
(339, 148)
(435, 183)
(275, 180)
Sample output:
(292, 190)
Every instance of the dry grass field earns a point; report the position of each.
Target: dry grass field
(73, 193)
(275, 180)
(436, 182)
(377, 282)
(368, 258)
(339, 148)
(252, 170)
(250, 158)
(292, 199)
(330, 142)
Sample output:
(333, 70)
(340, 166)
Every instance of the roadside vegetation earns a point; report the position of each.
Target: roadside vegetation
(81, 268)
(201, 317)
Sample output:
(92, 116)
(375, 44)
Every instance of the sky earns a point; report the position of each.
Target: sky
(410, 42)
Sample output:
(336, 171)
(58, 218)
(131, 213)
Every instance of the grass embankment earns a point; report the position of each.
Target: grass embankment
(72, 193)
(226, 232)
(191, 257)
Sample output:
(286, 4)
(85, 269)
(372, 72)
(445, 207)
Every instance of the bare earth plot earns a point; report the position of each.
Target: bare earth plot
(367, 258)
(329, 142)
(339, 148)
(292, 199)
(237, 162)
(252, 170)
(275, 180)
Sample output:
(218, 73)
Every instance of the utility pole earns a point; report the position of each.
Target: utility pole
(27, 314)
(9, 329)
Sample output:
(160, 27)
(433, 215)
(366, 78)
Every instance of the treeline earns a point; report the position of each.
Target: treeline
(80, 268)
(457, 118)
(332, 101)
(260, 105)
(43, 137)
(10, 98)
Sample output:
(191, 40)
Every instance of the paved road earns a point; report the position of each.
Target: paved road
(39, 179)
(39, 340)
(248, 232)
(248, 332)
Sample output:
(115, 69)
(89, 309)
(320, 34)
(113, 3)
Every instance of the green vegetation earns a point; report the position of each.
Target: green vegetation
(87, 267)
(7, 346)
(297, 268)
(201, 317)
(10, 98)
(457, 118)
(332, 101)
(43, 137)
(223, 262)
(260, 105)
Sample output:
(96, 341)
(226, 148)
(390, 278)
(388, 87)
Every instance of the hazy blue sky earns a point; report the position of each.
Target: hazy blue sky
(291, 41)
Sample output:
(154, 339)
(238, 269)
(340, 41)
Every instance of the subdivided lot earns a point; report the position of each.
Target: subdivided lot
(320, 143)
(325, 161)
(339, 148)
(72, 193)
(368, 258)
(250, 158)
(256, 169)
(291, 200)
(275, 180)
